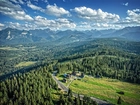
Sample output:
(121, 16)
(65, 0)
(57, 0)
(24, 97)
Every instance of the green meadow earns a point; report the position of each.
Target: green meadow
(8, 48)
(24, 64)
(107, 89)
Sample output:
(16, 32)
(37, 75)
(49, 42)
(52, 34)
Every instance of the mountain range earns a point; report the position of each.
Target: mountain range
(15, 36)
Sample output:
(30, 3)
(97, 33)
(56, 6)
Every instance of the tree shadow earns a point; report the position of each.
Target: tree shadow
(120, 92)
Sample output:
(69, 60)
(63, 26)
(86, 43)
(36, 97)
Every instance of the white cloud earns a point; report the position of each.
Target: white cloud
(83, 23)
(17, 1)
(56, 11)
(61, 23)
(14, 25)
(9, 5)
(14, 11)
(134, 15)
(83, 27)
(99, 26)
(133, 18)
(34, 7)
(106, 26)
(125, 4)
(14, 1)
(21, 2)
(1, 25)
(95, 15)
(136, 10)
(45, 1)
(65, 23)
(43, 22)
(26, 26)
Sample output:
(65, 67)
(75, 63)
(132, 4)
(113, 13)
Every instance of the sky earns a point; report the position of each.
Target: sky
(69, 14)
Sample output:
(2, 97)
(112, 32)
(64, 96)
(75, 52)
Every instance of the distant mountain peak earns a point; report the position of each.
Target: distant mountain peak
(10, 35)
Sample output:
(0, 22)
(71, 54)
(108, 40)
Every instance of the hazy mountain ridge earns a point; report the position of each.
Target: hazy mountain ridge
(10, 36)
(15, 36)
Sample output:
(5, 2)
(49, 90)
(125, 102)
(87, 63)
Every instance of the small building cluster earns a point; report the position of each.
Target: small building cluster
(74, 75)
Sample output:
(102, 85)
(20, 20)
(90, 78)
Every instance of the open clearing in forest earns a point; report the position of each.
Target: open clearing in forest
(8, 48)
(106, 89)
(24, 64)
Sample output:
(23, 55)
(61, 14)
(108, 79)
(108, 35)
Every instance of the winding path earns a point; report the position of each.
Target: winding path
(64, 88)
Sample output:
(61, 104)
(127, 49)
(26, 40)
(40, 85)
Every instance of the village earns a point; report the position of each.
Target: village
(72, 76)
(69, 77)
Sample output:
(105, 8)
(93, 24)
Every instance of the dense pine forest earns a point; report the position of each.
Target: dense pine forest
(69, 52)
(37, 87)
(111, 58)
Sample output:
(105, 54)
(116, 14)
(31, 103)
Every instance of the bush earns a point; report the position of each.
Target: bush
(121, 92)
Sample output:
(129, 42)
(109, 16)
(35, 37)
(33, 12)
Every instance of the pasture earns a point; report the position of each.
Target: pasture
(108, 89)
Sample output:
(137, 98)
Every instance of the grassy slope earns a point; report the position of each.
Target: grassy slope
(8, 48)
(23, 64)
(107, 89)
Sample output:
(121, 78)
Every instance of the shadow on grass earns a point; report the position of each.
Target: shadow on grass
(62, 76)
(120, 92)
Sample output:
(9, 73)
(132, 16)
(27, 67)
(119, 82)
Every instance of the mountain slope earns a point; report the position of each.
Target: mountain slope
(14, 36)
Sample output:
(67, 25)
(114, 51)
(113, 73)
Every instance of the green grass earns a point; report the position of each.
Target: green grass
(14, 57)
(8, 48)
(55, 94)
(24, 64)
(107, 89)
(60, 77)
(13, 48)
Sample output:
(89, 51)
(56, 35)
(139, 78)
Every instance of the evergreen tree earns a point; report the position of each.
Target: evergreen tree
(70, 92)
(119, 101)
(61, 99)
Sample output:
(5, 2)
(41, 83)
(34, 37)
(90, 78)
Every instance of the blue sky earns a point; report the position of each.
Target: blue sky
(69, 14)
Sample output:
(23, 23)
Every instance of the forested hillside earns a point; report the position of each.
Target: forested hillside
(106, 57)
(15, 36)
(69, 52)
(111, 66)
(36, 87)
(35, 63)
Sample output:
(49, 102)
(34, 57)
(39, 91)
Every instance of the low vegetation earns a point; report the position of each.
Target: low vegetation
(108, 89)
(8, 48)
(24, 64)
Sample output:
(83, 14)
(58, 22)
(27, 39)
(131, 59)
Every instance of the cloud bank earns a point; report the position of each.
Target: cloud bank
(56, 11)
(58, 18)
(14, 11)
(95, 15)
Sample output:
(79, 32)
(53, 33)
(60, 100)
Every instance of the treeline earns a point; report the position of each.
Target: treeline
(13, 55)
(99, 51)
(29, 89)
(37, 52)
(37, 88)
(112, 67)
(68, 99)
(125, 68)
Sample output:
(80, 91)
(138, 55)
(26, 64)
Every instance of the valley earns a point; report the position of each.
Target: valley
(69, 52)
(109, 68)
